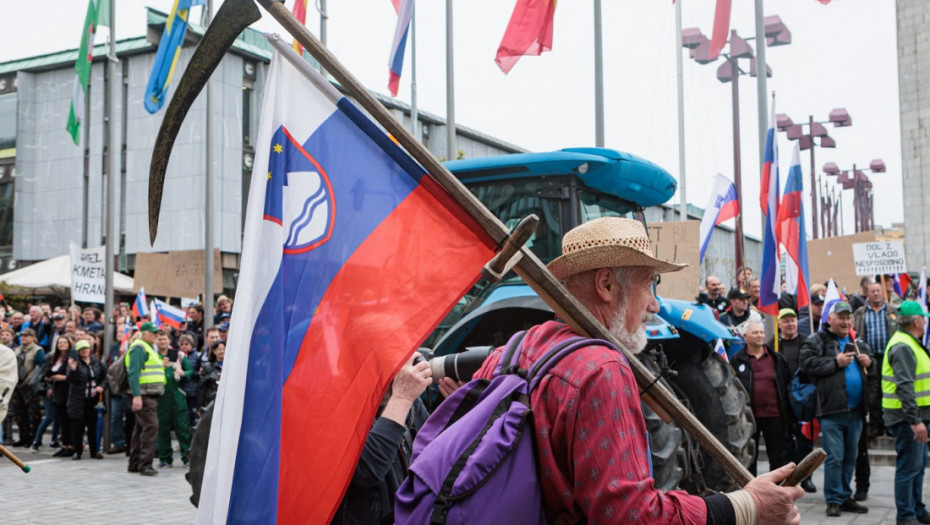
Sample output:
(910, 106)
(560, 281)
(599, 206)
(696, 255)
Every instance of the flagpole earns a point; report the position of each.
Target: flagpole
(681, 115)
(113, 155)
(761, 72)
(450, 87)
(414, 117)
(208, 197)
(598, 77)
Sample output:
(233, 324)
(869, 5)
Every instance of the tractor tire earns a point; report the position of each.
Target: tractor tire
(721, 403)
(665, 440)
(198, 453)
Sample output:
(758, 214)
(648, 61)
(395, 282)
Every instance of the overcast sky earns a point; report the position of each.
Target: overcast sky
(842, 55)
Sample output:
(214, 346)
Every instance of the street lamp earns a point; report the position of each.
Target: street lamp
(776, 34)
(839, 117)
(859, 182)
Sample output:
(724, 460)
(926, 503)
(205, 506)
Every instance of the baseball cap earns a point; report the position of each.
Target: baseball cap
(786, 312)
(840, 307)
(911, 308)
(28, 331)
(57, 317)
(736, 293)
(817, 299)
(149, 326)
(223, 327)
(82, 344)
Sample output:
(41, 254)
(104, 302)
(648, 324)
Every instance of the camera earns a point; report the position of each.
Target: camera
(461, 366)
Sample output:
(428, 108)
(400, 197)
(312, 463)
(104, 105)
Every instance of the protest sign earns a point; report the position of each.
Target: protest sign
(88, 274)
(833, 258)
(176, 274)
(678, 242)
(879, 257)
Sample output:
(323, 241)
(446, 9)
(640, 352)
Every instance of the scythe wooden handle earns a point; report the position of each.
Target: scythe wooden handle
(530, 268)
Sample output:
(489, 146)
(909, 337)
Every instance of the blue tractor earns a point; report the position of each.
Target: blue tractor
(567, 188)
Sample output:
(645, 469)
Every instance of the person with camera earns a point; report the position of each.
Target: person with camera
(384, 460)
(839, 367)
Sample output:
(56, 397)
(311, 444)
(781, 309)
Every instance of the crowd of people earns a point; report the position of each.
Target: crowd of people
(867, 363)
(62, 369)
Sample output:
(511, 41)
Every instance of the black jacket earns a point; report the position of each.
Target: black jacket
(742, 365)
(77, 384)
(818, 361)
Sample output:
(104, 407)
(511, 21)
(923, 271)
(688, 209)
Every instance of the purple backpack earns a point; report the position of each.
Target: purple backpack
(474, 460)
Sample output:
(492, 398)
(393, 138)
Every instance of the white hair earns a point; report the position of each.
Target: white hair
(749, 324)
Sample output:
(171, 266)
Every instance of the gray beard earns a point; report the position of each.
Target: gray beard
(634, 342)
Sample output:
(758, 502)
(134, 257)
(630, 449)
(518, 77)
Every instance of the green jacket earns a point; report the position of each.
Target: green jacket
(172, 385)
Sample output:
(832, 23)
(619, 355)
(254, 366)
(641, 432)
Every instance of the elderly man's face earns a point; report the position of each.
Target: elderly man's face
(755, 334)
(875, 294)
(840, 324)
(754, 288)
(788, 326)
(634, 310)
(35, 313)
(713, 286)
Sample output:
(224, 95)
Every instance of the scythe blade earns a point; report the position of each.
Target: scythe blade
(231, 19)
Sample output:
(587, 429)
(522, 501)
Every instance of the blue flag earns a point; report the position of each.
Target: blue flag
(166, 58)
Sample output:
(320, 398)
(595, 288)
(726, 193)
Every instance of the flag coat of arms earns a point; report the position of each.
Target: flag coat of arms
(169, 315)
(351, 256)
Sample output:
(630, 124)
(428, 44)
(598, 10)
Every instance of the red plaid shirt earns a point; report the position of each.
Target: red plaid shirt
(591, 437)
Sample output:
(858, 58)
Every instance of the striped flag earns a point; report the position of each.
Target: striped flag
(169, 315)
(833, 296)
(82, 73)
(528, 33)
(300, 12)
(768, 197)
(153, 314)
(792, 233)
(166, 58)
(404, 10)
(140, 306)
(721, 350)
(722, 206)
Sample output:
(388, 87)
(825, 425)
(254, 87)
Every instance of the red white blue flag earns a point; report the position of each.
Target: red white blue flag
(722, 206)
(140, 306)
(404, 10)
(351, 256)
(770, 281)
(792, 233)
(721, 350)
(832, 296)
(169, 315)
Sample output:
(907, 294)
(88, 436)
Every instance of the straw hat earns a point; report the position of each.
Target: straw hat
(607, 242)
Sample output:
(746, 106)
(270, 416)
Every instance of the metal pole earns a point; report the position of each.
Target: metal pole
(737, 178)
(856, 200)
(810, 129)
(842, 226)
(761, 70)
(208, 200)
(598, 77)
(113, 169)
(683, 207)
(323, 18)
(414, 117)
(450, 87)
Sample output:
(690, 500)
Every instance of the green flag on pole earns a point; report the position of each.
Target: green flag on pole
(82, 72)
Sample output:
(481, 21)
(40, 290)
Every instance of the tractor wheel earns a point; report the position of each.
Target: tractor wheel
(721, 403)
(198, 453)
(665, 440)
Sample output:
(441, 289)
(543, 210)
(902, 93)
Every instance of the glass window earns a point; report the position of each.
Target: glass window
(513, 200)
(596, 204)
(247, 116)
(6, 212)
(7, 121)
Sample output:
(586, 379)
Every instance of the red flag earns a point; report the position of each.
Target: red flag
(721, 28)
(528, 33)
(300, 11)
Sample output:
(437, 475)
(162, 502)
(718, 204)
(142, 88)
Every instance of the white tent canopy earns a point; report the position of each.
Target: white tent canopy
(53, 277)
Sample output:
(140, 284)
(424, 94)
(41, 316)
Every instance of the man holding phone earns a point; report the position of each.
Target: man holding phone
(838, 366)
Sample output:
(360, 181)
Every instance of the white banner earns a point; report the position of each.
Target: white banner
(877, 257)
(88, 274)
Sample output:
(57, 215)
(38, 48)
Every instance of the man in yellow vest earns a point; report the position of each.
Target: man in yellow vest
(146, 375)
(906, 406)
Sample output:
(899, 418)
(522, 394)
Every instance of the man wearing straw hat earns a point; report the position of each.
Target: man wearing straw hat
(592, 447)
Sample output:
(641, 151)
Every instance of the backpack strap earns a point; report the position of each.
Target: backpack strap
(510, 356)
(555, 354)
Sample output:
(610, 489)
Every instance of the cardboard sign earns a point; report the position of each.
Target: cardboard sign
(88, 274)
(885, 257)
(176, 274)
(678, 242)
(833, 257)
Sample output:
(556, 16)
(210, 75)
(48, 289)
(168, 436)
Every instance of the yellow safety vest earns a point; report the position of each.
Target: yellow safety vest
(921, 378)
(152, 377)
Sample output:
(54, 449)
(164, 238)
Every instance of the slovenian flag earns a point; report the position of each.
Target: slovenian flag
(792, 233)
(166, 58)
(140, 307)
(722, 206)
(721, 350)
(153, 314)
(833, 296)
(529, 32)
(351, 256)
(404, 10)
(770, 283)
(169, 315)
